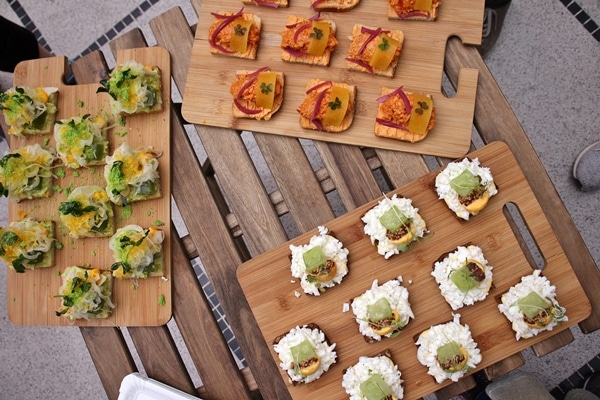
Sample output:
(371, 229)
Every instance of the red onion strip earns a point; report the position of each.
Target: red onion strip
(391, 124)
(318, 86)
(401, 94)
(413, 14)
(226, 21)
(301, 29)
(372, 35)
(244, 109)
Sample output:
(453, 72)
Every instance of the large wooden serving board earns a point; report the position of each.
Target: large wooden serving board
(31, 294)
(207, 99)
(270, 289)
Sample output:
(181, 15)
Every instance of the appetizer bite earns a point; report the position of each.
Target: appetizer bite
(87, 212)
(235, 34)
(463, 276)
(81, 141)
(328, 106)
(308, 40)
(466, 187)
(29, 111)
(257, 94)
(26, 172)
(137, 252)
(531, 306)
(394, 225)
(133, 88)
(374, 378)
(333, 5)
(419, 10)
(132, 175)
(374, 50)
(320, 264)
(403, 115)
(85, 293)
(305, 353)
(27, 244)
(268, 3)
(448, 350)
(382, 311)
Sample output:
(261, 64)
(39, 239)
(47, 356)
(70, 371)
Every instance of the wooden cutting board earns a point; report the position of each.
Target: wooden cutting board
(207, 99)
(270, 289)
(31, 298)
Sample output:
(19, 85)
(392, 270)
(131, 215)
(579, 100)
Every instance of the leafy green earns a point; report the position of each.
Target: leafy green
(75, 208)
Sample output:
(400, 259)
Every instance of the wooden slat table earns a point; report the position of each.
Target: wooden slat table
(232, 217)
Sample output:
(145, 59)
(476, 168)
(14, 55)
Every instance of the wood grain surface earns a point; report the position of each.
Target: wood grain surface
(270, 289)
(207, 99)
(31, 298)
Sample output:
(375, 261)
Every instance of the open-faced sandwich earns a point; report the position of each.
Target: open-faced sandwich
(374, 378)
(133, 88)
(87, 212)
(132, 175)
(320, 264)
(268, 3)
(404, 115)
(466, 187)
(85, 293)
(531, 306)
(305, 353)
(257, 94)
(463, 276)
(81, 141)
(26, 172)
(394, 225)
(374, 50)
(308, 40)
(27, 244)
(448, 350)
(235, 34)
(137, 252)
(328, 106)
(419, 10)
(29, 111)
(333, 5)
(383, 310)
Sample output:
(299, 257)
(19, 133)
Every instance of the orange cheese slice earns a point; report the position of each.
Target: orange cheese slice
(423, 5)
(420, 114)
(319, 36)
(384, 52)
(336, 106)
(240, 29)
(265, 89)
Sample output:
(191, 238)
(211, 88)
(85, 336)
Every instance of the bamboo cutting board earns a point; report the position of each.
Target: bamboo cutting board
(270, 289)
(207, 99)
(31, 294)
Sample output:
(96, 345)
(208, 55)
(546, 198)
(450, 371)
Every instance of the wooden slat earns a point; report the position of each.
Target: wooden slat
(493, 119)
(160, 357)
(296, 180)
(129, 40)
(92, 66)
(111, 357)
(402, 168)
(555, 342)
(218, 251)
(350, 173)
(508, 364)
(199, 329)
(455, 389)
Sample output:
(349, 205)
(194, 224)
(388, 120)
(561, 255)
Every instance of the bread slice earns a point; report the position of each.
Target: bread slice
(268, 3)
(391, 132)
(307, 106)
(36, 120)
(333, 5)
(297, 56)
(398, 10)
(27, 244)
(358, 39)
(217, 47)
(265, 114)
